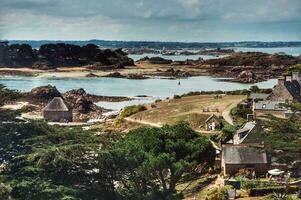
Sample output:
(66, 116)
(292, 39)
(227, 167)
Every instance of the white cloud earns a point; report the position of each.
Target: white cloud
(185, 20)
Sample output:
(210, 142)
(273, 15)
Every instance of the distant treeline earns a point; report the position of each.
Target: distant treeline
(161, 45)
(60, 55)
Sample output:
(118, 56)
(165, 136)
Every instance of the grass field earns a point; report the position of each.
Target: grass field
(188, 109)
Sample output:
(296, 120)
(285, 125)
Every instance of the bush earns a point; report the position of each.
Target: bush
(7, 94)
(218, 193)
(5, 191)
(291, 69)
(177, 97)
(130, 110)
(268, 190)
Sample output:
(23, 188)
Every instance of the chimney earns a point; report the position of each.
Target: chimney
(288, 78)
(281, 81)
(297, 76)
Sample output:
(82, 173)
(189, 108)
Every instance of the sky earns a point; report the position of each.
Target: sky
(151, 20)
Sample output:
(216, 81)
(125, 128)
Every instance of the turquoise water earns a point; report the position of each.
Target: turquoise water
(157, 88)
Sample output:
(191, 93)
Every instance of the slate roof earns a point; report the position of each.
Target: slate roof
(239, 154)
(245, 131)
(293, 87)
(57, 104)
(262, 96)
(270, 105)
(249, 126)
(212, 116)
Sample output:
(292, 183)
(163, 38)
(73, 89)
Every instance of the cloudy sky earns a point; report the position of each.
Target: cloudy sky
(159, 20)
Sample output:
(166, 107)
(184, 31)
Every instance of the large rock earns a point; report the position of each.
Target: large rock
(78, 99)
(44, 93)
(247, 77)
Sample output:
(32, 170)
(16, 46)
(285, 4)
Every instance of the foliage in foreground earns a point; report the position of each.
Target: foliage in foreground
(283, 136)
(45, 162)
(50, 162)
(7, 94)
(218, 193)
(150, 162)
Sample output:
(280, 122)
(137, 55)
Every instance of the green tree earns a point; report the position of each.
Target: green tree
(49, 162)
(149, 162)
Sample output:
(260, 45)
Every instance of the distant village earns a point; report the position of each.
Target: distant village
(245, 150)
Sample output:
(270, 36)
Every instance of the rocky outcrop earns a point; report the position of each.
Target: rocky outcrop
(115, 75)
(50, 56)
(91, 75)
(158, 60)
(43, 94)
(247, 77)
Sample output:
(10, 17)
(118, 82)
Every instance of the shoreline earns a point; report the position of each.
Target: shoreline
(139, 72)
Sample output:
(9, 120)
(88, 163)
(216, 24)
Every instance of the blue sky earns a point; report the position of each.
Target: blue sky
(156, 20)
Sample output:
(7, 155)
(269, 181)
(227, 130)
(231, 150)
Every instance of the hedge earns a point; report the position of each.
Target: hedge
(253, 192)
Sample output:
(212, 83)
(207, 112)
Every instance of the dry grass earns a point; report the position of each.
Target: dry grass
(187, 109)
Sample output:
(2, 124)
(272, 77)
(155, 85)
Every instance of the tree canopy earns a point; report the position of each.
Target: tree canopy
(149, 162)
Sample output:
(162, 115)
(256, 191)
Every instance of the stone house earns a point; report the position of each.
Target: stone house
(248, 134)
(213, 123)
(57, 111)
(275, 108)
(237, 157)
(288, 89)
(255, 97)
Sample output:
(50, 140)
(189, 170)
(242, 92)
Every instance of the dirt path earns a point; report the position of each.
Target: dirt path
(129, 119)
(226, 113)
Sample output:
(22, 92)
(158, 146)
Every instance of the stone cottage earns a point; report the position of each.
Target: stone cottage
(57, 111)
(237, 157)
(288, 89)
(275, 108)
(213, 123)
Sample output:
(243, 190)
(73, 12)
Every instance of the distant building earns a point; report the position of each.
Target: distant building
(213, 123)
(275, 108)
(288, 89)
(237, 157)
(255, 97)
(57, 111)
(248, 134)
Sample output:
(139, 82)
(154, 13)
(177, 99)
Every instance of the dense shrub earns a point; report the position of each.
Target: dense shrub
(130, 110)
(268, 190)
(7, 94)
(218, 193)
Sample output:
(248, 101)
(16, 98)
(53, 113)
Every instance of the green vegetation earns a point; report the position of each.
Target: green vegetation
(254, 89)
(283, 136)
(51, 162)
(293, 68)
(239, 114)
(7, 94)
(218, 193)
(46, 162)
(130, 110)
(150, 162)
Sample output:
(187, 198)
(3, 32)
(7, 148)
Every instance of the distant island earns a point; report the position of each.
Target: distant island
(91, 61)
(161, 45)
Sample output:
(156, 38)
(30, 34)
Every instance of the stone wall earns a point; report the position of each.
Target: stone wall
(58, 116)
(232, 169)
